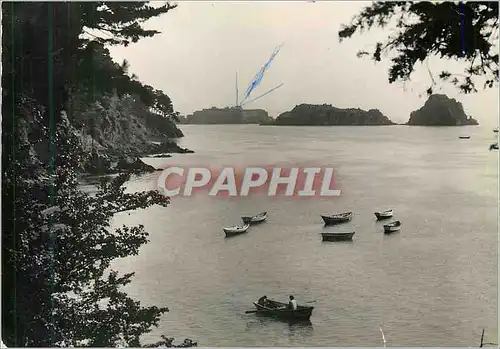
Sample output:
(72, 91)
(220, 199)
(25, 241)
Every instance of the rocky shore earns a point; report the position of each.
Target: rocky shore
(117, 133)
(105, 163)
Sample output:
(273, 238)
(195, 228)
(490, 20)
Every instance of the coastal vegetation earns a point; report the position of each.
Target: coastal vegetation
(60, 87)
(69, 109)
(466, 32)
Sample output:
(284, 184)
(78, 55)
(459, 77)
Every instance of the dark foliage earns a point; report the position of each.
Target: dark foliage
(460, 31)
(43, 48)
(57, 241)
(109, 77)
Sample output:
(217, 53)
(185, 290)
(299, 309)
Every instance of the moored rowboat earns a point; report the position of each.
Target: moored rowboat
(281, 310)
(337, 236)
(392, 227)
(259, 218)
(384, 214)
(337, 218)
(237, 229)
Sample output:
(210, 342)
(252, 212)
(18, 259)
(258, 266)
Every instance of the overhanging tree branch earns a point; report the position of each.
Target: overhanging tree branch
(461, 32)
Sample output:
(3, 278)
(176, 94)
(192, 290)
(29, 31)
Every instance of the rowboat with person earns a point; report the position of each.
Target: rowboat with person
(283, 311)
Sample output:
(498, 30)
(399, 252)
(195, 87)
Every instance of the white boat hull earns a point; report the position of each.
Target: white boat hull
(236, 230)
(384, 214)
(259, 219)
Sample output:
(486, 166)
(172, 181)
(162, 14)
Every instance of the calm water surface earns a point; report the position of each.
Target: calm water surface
(432, 284)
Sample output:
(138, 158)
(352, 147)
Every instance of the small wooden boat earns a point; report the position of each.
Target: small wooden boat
(237, 229)
(337, 218)
(494, 146)
(259, 218)
(384, 214)
(338, 236)
(392, 227)
(464, 137)
(281, 310)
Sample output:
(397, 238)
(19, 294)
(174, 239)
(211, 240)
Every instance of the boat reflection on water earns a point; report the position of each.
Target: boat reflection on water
(297, 331)
(300, 329)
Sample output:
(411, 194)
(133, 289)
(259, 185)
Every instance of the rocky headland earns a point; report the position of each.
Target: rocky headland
(228, 115)
(117, 132)
(328, 115)
(439, 110)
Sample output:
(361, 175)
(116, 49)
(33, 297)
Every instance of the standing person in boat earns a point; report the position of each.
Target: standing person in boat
(262, 301)
(293, 303)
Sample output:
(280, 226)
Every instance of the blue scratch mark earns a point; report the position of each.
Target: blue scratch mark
(260, 75)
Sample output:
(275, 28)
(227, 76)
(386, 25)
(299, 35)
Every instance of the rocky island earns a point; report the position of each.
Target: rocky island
(228, 115)
(327, 115)
(439, 110)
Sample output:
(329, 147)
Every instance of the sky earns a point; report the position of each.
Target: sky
(204, 44)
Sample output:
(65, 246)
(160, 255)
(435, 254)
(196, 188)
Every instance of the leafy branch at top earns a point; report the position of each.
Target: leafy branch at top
(463, 32)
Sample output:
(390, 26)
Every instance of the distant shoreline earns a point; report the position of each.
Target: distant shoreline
(440, 126)
(368, 125)
(438, 110)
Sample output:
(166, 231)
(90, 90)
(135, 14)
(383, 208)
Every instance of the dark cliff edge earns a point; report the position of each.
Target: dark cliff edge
(229, 115)
(117, 132)
(439, 110)
(327, 115)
